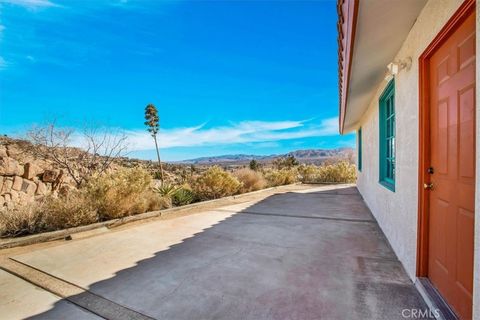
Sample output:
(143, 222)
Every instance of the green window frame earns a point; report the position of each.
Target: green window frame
(359, 146)
(387, 136)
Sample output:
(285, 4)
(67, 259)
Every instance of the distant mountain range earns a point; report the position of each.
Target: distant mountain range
(315, 156)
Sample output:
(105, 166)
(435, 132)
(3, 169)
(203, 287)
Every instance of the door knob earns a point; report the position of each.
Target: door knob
(428, 186)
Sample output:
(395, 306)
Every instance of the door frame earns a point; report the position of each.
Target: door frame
(465, 9)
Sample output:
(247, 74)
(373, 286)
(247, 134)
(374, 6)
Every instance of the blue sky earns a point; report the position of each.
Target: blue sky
(256, 77)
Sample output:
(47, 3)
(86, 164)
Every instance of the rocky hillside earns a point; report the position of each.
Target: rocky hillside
(24, 178)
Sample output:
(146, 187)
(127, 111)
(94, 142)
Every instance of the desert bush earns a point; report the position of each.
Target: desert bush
(20, 221)
(110, 195)
(251, 180)
(215, 183)
(183, 196)
(119, 193)
(101, 147)
(287, 162)
(50, 214)
(281, 177)
(342, 171)
(72, 210)
(254, 165)
(166, 193)
(151, 201)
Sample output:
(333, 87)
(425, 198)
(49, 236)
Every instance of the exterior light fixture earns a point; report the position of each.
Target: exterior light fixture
(395, 67)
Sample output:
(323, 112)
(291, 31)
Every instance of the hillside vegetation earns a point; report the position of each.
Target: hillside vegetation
(127, 186)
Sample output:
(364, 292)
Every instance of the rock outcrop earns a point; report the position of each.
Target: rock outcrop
(24, 179)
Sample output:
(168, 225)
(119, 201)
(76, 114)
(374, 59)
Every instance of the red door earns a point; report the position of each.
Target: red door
(452, 154)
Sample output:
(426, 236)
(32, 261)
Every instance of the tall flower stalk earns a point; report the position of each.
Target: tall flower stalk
(153, 126)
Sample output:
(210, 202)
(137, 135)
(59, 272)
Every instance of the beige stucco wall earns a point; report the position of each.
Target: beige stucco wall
(396, 212)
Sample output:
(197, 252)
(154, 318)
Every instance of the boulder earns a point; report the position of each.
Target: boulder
(49, 176)
(10, 167)
(25, 198)
(14, 195)
(17, 183)
(20, 170)
(14, 150)
(7, 185)
(7, 197)
(3, 151)
(31, 170)
(41, 188)
(29, 187)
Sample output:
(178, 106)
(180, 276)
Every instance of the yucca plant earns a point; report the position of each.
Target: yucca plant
(183, 196)
(166, 190)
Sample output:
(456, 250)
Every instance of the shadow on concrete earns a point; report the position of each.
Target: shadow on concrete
(298, 255)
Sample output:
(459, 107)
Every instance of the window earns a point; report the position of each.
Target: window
(359, 146)
(387, 136)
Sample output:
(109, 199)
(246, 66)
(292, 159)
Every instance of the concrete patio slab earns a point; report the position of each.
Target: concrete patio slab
(319, 202)
(90, 260)
(299, 255)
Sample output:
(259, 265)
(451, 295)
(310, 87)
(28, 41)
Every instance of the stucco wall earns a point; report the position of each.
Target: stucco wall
(396, 212)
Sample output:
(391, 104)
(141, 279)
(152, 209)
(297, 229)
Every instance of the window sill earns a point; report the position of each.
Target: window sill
(388, 185)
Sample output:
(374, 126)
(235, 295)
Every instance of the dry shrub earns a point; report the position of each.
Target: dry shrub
(251, 180)
(113, 195)
(281, 177)
(69, 211)
(215, 183)
(20, 221)
(120, 193)
(48, 215)
(150, 201)
(342, 171)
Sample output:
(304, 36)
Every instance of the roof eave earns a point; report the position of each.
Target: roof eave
(347, 21)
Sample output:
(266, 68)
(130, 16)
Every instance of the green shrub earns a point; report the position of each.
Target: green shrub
(167, 190)
(281, 177)
(183, 196)
(215, 183)
(342, 171)
(254, 165)
(251, 180)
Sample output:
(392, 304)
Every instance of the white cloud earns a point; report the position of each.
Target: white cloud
(242, 132)
(31, 4)
(3, 63)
